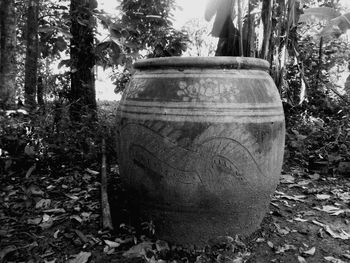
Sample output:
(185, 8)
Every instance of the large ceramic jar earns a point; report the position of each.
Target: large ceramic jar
(201, 144)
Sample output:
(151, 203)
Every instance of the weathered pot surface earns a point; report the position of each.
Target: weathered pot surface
(201, 144)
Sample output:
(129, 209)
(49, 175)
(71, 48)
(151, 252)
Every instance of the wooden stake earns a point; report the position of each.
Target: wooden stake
(106, 211)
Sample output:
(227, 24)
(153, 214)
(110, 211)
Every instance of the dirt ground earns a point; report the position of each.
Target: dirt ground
(309, 221)
(54, 215)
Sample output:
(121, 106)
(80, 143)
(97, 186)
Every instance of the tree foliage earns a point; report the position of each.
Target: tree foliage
(200, 42)
(143, 29)
(146, 25)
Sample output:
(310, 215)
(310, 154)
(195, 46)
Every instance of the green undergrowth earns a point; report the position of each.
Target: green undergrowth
(318, 141)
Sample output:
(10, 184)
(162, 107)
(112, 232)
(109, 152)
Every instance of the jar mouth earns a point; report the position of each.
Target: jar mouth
(202, 62)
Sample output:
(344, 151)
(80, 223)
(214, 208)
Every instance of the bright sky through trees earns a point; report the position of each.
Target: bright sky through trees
(189, 9)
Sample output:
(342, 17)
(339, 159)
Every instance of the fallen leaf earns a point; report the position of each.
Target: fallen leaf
(111, 244)
(108, 250)
(82, 257)
(294, 198)
(29, 150)
(34, 221)
(284, 248)
(238, 260)
(260, 239)
(73, 197)
(30, 171)
(86, 215)
(342, 235)
(321, 233)
(92, 172)
(162, 245)
(50, 187)
(300, 219)
(46, 225)
(322, 196)
(334, 260)
(239, 243)
(310, 252)
(301, 259)
(281, 231)
(81, 236)
(202, 259)
(275, 205)
(34, 190)
(5, 233)
(309, 213)
(329, 208)
(46, 218)
(31, 245)
(270, 244)
(76, 217)
(124, 241)
(314, 176)
(138, 250)
(5, 251)
(55, 235)
(318, 223)
(287, 179)
(304, 182)
(332, 210)
(43, 203)
(343, 196)
(55, 210)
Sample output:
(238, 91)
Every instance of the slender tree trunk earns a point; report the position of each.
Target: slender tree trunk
(247, 31)
(40, 94)
(240, 27)
(278, 52)
(320, 55)
(82, 96)
(31, 63)
(2, 15)
(266, 16)
(7, 52)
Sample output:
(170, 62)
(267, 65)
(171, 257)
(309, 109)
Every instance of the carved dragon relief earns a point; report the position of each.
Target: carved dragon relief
(201, 164)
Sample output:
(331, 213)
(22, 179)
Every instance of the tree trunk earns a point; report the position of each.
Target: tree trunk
(7, 52)
(266, 16)
(40, 94)
(31, 63)
(248, 31)
(82, 96)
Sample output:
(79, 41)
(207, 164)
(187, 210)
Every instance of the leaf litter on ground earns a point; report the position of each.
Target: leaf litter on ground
(82, 257)
(73, 201)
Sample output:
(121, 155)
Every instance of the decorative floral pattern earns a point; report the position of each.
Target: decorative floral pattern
(206, 90)
(134, 89)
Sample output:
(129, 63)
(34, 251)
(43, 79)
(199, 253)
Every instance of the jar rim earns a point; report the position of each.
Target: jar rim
(203, 62)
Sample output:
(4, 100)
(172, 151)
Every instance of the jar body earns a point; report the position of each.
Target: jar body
(201, 148)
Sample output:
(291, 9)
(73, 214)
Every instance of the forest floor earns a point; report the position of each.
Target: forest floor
(54, 215)
(50, 212)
